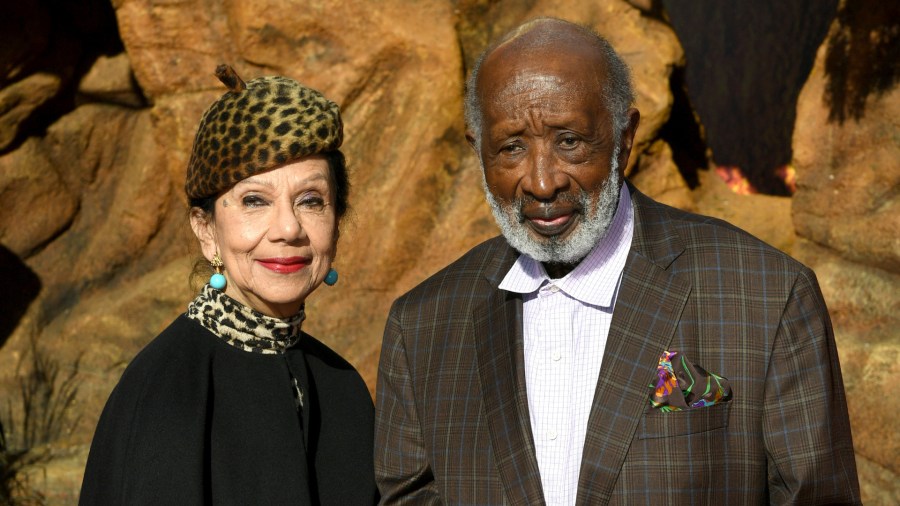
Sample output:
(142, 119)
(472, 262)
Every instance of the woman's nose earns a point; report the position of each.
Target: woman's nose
(286, 225)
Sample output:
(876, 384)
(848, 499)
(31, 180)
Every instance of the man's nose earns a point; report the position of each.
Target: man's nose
(545, 179)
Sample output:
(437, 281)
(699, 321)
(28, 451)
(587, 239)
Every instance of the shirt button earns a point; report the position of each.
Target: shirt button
(554, 288)
(556, 356)
(552, 435)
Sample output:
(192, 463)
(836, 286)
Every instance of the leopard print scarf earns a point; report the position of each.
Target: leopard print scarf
(241, 326)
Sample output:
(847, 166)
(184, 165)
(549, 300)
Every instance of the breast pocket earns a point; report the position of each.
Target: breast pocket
(658, 424)
(679, 458)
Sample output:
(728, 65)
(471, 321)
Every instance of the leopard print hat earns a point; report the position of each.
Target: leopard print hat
(258, 126)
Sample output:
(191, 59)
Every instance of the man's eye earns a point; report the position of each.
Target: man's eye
(511, 148)
(253, 201)
(568, 141)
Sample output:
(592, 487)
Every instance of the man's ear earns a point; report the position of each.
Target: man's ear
(470, 138)
(627, 140)
(205, 229)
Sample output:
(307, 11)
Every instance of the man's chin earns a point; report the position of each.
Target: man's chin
(546, 248)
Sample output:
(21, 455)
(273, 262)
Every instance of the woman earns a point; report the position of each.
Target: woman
(233, 403)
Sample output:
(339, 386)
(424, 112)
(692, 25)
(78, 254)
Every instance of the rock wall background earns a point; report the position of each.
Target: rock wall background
(847, 215)
(99, 105)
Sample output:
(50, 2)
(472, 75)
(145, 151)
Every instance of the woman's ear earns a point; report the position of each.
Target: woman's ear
(205, 229)
(337, 237)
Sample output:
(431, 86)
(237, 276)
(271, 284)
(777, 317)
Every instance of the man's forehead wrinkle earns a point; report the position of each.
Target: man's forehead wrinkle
(528, 94)
(532, 85)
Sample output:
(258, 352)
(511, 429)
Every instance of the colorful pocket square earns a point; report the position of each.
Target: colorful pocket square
(683, 385)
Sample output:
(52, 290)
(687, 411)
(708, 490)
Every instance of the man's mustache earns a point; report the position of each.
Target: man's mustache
(543, 208)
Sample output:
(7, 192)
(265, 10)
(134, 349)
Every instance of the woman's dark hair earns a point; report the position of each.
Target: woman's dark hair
(337, 166)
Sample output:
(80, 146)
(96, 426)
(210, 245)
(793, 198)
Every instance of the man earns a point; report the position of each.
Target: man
(607, 349)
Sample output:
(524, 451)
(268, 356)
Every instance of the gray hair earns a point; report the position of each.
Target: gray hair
(618, 94)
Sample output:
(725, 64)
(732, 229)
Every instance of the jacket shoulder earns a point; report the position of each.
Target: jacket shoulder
(468, 276)
(177, 349)
(707, 239)
(160, 373)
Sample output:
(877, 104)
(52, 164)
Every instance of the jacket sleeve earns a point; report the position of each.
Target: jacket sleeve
(805, 422)
(402, 469)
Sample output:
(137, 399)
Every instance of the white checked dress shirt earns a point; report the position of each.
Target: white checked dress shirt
(566, 323)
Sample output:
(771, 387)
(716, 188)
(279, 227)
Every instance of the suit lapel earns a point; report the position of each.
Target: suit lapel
(498, 342)
(648, 306)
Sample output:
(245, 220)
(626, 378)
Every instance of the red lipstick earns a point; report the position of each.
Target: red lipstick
(284, 265)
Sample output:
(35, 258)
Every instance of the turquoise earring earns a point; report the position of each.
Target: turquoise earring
(331, 278)
(217, 280)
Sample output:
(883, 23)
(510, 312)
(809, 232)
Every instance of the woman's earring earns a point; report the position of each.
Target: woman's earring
(217, 280)
(331, 278)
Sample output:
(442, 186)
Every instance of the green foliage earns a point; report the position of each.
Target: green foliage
(46, 397)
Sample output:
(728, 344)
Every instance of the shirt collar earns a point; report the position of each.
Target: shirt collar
(595, 279)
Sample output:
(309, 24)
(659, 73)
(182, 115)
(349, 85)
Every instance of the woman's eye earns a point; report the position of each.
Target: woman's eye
(311, 201)
(253, 201)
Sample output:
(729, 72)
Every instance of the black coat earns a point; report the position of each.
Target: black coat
(194, 420)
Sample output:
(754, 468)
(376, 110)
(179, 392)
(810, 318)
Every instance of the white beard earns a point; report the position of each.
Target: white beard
(598, 216)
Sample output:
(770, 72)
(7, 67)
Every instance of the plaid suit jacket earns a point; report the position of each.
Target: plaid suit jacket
(452, 424)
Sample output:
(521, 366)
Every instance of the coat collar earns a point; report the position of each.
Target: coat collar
(498, 344)
(649, 306)
(655, 238)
